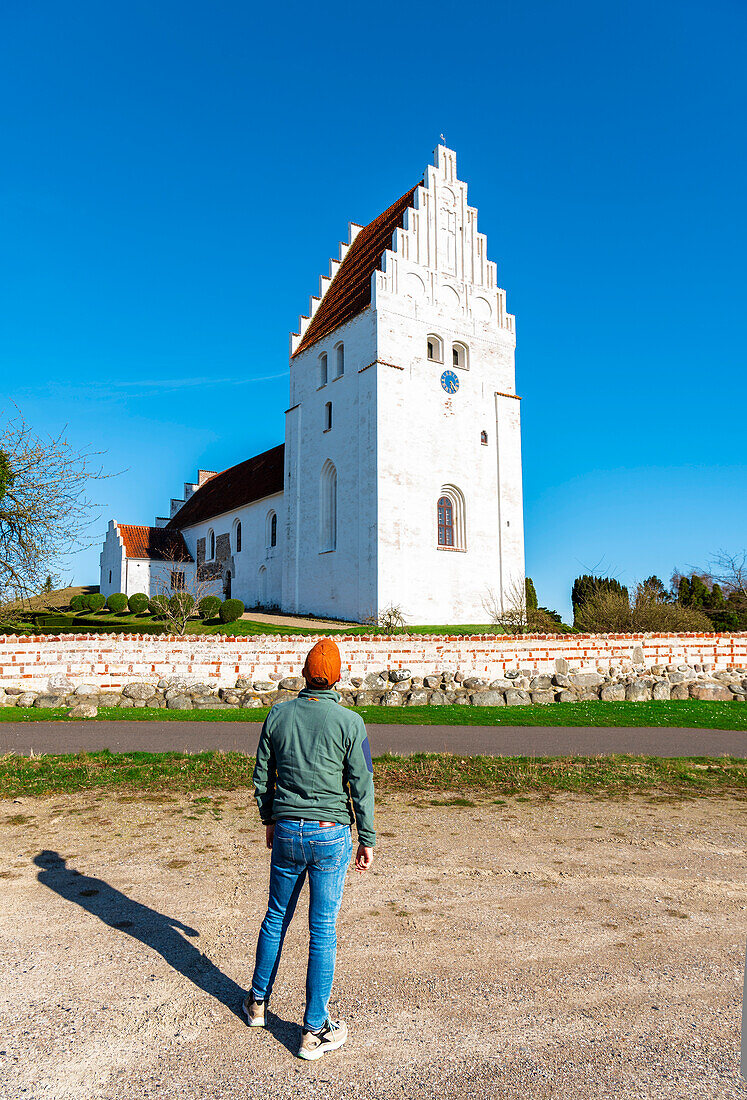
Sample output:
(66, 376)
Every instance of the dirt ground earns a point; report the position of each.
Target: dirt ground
(563, 948)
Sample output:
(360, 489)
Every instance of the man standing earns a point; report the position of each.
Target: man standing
(313, 770)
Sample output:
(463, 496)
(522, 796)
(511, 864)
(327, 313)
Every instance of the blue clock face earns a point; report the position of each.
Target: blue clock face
(449, 381)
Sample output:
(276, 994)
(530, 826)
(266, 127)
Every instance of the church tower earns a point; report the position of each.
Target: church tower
(403, 453)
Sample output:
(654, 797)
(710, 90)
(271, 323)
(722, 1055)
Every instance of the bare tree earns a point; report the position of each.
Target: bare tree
(509, 613)
(730, 571)
(180, 590)
(44, 510)
(609, 611)
(389, 619)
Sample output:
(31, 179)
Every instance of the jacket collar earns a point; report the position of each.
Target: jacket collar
(320, 693)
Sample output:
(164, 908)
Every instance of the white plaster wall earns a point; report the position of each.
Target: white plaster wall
(111, 561)
(255, 553)
(340, 583)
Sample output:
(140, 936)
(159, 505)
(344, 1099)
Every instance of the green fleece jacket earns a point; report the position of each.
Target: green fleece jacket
(314, 762)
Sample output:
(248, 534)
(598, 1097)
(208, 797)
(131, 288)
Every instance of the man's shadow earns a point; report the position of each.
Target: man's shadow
(161, 933)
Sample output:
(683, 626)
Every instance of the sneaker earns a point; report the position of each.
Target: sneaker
(316, 1043)
(254, 1011)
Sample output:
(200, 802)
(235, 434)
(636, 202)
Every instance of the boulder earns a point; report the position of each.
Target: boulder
(637, 655)
(709, 691)
(356, 681)
(587, 679)
(662, 689)
(462, 700)
(680, 691)
(418, 698)
(516, 698)
(512, 674)
(138, 691)
(677, 677)
(567, 697)
(403, 686)
(638, 691)
(208, 704)
(59, 685)
(540, 683)
(13, 691)
(230, 697)
(543, 697)
(199, 691)
(292, 683)
(432, 682)
(25, 699)
(562, 680)
(561, 666)
(397, 675)
(49, 701)
(9, 700)
(366, 699)
(173, 682)
(88, 689)
(251, 701)
(264, 685)
(438, 699)
(281, 696)
(501, 684)
(125, 702)
(375, 679)
(241, 684)
(487, 699)
(392, 699)
(737, 689)
(179, 702)
(83, 710)
(473, 682)
(106, 699)
(612, 693)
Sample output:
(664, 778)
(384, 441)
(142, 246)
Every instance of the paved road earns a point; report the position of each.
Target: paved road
(25, 737)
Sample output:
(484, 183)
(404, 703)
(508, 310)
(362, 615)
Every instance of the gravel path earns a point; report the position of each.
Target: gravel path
(560, 947)
(128, 736)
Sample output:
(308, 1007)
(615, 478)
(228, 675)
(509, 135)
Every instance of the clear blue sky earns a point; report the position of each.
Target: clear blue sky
(175, 177)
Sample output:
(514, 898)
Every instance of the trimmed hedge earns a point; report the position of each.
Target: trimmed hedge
(181, 603)
(209, 606)
(116, 602)
(78, 602)
(231, 610)
(95, 602)
(158, 605)
(138, 603)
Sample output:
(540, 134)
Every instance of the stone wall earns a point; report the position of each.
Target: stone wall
(111, 661)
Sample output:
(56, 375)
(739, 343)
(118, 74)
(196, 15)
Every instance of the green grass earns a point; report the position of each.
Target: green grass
(608, 776)
(84, 622)
(686, 713)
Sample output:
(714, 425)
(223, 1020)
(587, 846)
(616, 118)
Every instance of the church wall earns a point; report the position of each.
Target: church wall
(256, 569)
(339, 583)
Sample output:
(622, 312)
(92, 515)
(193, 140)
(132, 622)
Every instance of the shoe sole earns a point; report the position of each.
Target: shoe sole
(253, 1022)
(313, 1055)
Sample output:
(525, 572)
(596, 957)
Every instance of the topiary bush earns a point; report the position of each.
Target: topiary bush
(138, 603)
(181, 604)
(116, 602)
(78, 602)
(158, 605)
(231, 610)
(209, 606)
(95, 602)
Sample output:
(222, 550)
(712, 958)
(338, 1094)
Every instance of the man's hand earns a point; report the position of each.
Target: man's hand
(363, 858)
(269, 834)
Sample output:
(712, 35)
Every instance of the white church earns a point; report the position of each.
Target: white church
(399, 482)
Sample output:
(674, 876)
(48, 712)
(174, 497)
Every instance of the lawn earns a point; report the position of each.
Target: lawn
(685, 713)
(607, 776)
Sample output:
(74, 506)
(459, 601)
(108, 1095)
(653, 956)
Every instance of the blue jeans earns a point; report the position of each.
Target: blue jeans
(298, 848)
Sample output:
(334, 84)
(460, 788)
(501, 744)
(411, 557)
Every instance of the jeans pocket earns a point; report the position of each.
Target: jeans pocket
(327, 855)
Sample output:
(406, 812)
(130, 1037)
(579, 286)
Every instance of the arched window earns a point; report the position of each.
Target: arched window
(435, 348)
(484, 438)
(445, 522)
(237, 536)
(328, 507)
(340, 359)
(210, 545)
(328, 416)
(459, 356)
(450, 519)
(323, 369)
(271, 529)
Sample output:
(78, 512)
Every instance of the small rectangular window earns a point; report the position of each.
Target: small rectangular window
(455, 354)
(177, 580)
(328, 416)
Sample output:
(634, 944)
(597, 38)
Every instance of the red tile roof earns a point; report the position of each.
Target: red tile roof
(157, 543)
(250, 480)
(350, 289)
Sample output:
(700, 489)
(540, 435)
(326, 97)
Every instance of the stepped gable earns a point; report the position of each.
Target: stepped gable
(250, 480)
(350, 290)
(156, 543)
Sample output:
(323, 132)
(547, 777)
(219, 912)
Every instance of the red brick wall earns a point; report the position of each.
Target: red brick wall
(111, 660)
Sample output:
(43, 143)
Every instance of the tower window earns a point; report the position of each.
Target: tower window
(211, 545)
(340, 359)
(323, 369)
(238, 537)
(328, 507)
(459, 355)
(445, 522)
(177, 580)
(274, 530)
(484, 438)
(435, 348)
(328, 416)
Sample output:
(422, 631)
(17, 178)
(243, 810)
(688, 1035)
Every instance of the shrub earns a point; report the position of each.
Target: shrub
(231, 610)
(158, 605)
(116, 602)
(181, 604)
(78, 602)
(531, 594)
(209, 606)
(95, 602)
(138, 603)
